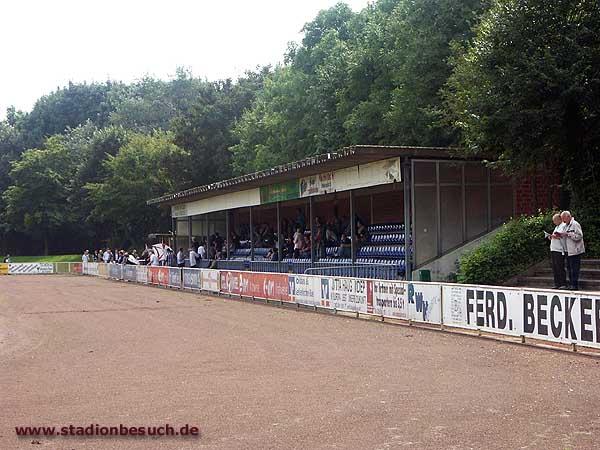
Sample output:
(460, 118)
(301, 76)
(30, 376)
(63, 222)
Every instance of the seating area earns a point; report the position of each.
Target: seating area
(384, 246)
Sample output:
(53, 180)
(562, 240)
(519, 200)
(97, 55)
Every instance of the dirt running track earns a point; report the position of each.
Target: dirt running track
(81, 351)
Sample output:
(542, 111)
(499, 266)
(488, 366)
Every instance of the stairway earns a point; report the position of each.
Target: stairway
(541, 276)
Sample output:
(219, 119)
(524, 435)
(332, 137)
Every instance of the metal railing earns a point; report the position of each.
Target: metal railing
(377, 271)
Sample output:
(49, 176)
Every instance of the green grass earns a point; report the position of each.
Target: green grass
(52, 258)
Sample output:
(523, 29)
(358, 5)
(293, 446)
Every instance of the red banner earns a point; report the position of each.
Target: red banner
(272, 286)
(158, 275)
(76, 267)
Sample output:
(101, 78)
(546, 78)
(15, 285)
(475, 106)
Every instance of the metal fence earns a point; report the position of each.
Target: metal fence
(376, 271)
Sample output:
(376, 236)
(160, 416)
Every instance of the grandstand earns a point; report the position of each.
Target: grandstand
(403, 209)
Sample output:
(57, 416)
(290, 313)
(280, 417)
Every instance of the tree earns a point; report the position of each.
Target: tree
(146, 167)
(37, 201)
(527, 90)
(205, 128)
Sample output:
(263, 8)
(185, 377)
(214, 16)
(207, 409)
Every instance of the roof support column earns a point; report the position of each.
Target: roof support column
(190, 232)
(353, 239)
(227, 234)
(407, 185)
(174, 232)
(312, 228)
(279, 236)
(251, 236)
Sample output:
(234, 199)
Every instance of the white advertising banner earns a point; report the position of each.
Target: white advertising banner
(304, 289)
(90, 268)
(317, 184)
(483, 307)
(30, 268)
(345, 294)
(424, 302)
(142, 274)
(567, 317)
(210, 279)
(46, 268)
(371, 174)
(191, 278)
(390, 299)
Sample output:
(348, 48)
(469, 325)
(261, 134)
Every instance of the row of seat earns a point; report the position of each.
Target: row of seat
(378, 251)
(387, 238)
(386, 227)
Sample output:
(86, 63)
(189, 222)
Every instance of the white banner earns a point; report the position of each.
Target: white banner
(142, 274)
(192, 278)
(304, 289)
(210, 280)
(424, 302)
(390, 299)
(346, 294)
(30, 268)
(90, 268)
(317, 184)
(567, 317)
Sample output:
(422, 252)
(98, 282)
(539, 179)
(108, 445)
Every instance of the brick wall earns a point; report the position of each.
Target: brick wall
(535, 192)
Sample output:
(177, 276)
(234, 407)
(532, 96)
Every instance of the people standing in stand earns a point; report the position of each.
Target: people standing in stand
(558, 252)
(575, 247)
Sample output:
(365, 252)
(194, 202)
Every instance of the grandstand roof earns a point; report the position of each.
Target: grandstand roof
(340, 159)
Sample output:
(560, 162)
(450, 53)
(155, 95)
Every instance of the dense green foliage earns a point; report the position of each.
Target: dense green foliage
(373, 77)
(518, 245)
(515, 79)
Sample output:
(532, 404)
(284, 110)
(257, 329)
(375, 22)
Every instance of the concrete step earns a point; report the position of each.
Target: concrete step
(585, 272)
(590, 263)
(548, 283)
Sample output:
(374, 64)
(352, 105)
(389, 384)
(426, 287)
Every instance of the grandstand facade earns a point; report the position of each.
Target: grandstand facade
(402, 207)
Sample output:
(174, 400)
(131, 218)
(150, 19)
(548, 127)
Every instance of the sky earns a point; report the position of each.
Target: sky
(47, 43)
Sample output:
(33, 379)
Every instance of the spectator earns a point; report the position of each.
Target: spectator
(345, 248)
(361, 230)
(202, 250)
(575, 247)
(193, 257)
(85, 258)
(154, 259)
(7, 259)
(301, 219)
(180, 258)
(170, 257)
(273, 254)
(320, 237)
(558, 248)
(330, 236)
(298, 242)
(306, 248)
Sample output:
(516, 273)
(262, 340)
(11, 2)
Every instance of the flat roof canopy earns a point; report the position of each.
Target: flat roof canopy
(341, 159)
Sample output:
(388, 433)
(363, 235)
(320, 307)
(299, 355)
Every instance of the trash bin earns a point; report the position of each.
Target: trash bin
(425, 275)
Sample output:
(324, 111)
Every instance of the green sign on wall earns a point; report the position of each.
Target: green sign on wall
(279, 192)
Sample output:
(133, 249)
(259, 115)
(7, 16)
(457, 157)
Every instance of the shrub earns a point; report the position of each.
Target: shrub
(517, 246)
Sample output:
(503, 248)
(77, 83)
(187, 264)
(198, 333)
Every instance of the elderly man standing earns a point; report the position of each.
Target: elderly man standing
(575, 246)
(558, 250)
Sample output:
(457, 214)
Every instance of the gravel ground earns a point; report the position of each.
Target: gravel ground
(81, 351)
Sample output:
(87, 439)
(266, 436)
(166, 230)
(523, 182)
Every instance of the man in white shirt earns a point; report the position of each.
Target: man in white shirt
(202, 251)
(575, 247)
(180, 258)
(558, 250)
(298, 242)
(85, 258)
(154, 259)
(106, 256)
(193, 257)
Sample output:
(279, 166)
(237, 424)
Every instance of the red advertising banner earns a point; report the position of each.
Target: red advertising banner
(158, 275)
(76, 268)
(272, 286)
